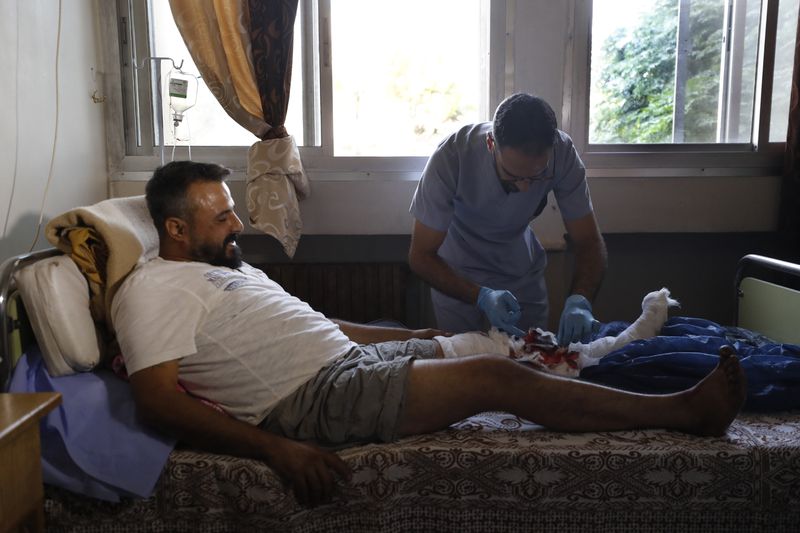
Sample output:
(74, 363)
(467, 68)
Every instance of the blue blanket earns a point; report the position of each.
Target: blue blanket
(92, 443)
(688, 349)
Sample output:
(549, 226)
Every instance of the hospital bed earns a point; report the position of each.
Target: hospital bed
(491, 472)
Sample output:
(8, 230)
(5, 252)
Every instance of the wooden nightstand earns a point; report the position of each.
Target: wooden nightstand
(21, 491)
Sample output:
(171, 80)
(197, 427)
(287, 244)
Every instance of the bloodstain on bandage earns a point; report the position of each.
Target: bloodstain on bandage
(540, 349)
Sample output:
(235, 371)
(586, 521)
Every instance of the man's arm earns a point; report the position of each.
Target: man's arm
(307, 469)
(366, 334)
(591, 258)
(424, 260)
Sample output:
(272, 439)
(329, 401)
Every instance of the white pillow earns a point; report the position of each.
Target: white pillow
(56, 297)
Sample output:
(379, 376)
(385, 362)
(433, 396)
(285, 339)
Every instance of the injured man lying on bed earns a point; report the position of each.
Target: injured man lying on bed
(286, 376)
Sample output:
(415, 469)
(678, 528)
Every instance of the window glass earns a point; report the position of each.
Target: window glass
(398, 87)
(673, 71)
(404, 74)
(784, 65)
(206, 123)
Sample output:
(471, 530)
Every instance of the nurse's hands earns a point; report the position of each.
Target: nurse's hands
(577, 323)
(502, 310)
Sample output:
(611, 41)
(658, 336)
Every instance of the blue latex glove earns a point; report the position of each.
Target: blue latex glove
(577, 323)
(502, 310)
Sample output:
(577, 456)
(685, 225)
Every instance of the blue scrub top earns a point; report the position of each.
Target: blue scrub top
(489, 239)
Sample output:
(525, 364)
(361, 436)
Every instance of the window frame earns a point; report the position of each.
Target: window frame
(137, 106)
(761, 158)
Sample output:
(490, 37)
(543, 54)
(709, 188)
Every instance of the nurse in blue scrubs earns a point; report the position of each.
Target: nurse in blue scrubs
(472, 240)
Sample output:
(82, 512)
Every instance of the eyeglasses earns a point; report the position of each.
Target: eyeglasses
(508, 177)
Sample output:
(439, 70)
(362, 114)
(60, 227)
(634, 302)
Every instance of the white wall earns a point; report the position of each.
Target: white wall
(28, 30)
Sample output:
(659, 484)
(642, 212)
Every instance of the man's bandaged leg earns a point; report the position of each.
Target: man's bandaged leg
(471, 343)
(655, 309)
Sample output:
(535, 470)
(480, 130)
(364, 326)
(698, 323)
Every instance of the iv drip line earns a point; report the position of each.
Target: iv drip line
(182, 90)
(157, 60)
(188, 139)
(182, 93)
(180, 85)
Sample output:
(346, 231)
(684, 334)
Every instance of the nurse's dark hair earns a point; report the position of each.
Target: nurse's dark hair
(524, 122)
(166, 190)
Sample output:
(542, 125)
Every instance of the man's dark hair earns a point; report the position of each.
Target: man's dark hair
(166, 190)
(525, 122)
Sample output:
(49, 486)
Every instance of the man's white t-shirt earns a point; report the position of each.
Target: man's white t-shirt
(243, 342)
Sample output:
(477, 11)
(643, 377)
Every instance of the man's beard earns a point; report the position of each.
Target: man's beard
(218, 256)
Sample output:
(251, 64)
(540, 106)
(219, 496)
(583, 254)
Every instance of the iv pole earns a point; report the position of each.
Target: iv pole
(159, 105)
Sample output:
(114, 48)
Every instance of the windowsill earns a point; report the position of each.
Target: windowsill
(651, 162)
(377, 204)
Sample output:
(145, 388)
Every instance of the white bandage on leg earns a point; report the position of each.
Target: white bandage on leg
(655, 309)
(471, 343)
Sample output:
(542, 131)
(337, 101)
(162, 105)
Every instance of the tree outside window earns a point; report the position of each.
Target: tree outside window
(673, 71)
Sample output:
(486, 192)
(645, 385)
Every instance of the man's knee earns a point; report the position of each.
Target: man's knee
(491, 369)
(476, 372)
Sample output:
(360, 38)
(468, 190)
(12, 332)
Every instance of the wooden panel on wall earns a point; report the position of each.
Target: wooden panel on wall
(359, 292)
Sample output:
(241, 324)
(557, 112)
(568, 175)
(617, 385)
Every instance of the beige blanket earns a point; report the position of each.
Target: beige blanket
(106, 240)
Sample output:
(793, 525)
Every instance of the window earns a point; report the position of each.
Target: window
(669, 71)
(206, 123)
(412, 78)
(392, 87)
(669, 76)
(639, 84)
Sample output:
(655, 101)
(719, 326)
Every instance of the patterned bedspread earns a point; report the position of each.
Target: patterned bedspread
(492, 472)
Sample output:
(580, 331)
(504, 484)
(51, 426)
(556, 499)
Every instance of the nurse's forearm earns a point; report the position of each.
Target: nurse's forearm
(591, 260)
(439, 275)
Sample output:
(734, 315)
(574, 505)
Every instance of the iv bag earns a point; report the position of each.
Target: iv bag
(182, 93)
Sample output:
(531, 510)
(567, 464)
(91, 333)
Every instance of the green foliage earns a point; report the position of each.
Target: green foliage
(635, 93)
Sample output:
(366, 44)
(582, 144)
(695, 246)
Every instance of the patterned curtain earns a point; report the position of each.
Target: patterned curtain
(243, 50)
(790, 193)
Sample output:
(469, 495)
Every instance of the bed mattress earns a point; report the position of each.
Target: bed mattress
(491, 472)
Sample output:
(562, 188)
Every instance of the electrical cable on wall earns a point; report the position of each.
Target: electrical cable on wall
(16, 133)
(55, 133)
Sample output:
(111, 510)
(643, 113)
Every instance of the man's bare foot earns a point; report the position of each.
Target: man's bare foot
(715, 401)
